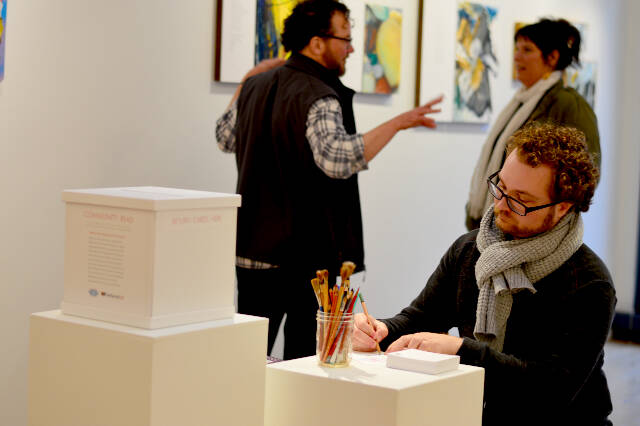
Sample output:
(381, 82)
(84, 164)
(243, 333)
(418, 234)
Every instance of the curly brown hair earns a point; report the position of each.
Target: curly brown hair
(564, 149)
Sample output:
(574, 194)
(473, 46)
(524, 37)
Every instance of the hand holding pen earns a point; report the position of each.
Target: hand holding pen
(367, 331)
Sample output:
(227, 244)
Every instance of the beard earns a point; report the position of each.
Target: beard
(334, 64)
(508, 226)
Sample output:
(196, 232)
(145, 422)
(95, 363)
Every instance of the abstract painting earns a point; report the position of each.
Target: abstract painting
(382, 49)
(475, 60)
(3, 34)
(583, 79)
(248, 31)
(516, 28)
(270, 16)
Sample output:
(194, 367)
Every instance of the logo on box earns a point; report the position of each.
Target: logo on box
(111, 295)
(93, 292)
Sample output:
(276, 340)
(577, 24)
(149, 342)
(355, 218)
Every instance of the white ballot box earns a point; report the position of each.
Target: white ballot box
(149, 257)
(300, 392)
(84, 372)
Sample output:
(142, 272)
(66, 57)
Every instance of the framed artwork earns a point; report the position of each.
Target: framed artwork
(457, 58)
(475, 61)
(516, 28)
(382, 49)
(583, 79)
(270, 16)
(3, 34)
(235, 39)
(248, 31)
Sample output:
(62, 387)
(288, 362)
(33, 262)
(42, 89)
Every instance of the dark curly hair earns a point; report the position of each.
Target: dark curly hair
(564, 149)
(549, 35)
(309, 19)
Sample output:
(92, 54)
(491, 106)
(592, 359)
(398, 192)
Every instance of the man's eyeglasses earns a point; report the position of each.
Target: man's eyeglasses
(347, 39)
(516, 206)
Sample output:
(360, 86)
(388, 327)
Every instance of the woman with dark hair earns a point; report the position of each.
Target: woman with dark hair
(542, 51)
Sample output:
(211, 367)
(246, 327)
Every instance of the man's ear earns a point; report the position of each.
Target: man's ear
(315, 49)
(316, 46)
(563, 208)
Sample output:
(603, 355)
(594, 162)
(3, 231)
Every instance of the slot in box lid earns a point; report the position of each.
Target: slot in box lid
(151, 198)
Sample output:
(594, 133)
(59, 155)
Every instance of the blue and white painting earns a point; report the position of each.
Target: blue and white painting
(475, 61)
(583, 79)
(3, 34)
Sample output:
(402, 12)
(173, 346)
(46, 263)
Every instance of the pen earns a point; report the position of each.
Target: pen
(364, 308)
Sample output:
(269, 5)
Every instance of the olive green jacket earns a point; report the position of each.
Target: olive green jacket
(564, 106)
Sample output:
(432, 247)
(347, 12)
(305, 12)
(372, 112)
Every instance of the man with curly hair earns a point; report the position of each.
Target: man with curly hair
(293, 131)
(532, 303)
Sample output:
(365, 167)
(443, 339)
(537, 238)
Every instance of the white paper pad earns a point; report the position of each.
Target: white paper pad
(422, 361)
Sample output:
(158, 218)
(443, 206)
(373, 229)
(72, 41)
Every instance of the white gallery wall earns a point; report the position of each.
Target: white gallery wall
(120, 93)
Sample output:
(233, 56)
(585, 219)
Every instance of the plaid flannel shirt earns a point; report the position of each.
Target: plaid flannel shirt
(338, 154)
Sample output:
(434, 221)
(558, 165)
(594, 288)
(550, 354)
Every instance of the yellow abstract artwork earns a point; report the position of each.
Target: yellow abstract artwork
(382, 49)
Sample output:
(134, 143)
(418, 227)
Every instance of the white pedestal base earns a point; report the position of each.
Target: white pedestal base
(299, 392)
(84, 372)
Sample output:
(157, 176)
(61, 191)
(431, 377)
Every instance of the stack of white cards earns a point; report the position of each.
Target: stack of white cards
(422, 362)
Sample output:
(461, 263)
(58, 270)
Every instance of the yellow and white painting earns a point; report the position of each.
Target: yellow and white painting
(382, 49)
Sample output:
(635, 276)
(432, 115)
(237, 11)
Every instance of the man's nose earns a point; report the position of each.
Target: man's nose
(501, 203)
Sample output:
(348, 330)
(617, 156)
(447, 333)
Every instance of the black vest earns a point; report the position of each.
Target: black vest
(292, 214)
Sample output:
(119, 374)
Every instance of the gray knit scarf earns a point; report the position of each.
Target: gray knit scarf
(509, 266)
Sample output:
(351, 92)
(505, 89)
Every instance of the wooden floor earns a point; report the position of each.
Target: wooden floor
(622, 367)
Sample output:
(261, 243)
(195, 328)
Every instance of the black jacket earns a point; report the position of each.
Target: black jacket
(550, 369)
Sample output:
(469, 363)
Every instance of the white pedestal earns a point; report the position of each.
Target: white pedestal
(91, 373)
(299, 392)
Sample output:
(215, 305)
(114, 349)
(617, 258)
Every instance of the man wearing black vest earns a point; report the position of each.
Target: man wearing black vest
(292, 128)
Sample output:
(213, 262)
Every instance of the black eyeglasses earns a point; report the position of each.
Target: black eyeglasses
(347, 39)
(516, 206)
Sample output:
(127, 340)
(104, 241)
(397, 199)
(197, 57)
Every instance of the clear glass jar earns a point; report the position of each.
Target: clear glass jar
(333, 339)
